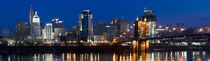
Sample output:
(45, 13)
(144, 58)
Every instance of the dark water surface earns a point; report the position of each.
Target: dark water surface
(126, 56)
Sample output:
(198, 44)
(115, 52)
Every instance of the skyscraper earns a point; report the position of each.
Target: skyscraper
(58, 28)
(99, 28)
(151, 19)
(20, 33)
(144, 27)
(35, 26)
(5, 36)
(31, 15)
(86, 24)
(118, 26)
(48, 31)
(5, 33)
(57, 23)
(75, 29)
(121, 24)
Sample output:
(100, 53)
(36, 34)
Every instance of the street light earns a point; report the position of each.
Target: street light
(133, 24)
(160, 26)
(201, 30)
(131, 27)
(174, 29)
(120, 35)
(182, 29)
(154, 25)
(124, 33)
(166, 27)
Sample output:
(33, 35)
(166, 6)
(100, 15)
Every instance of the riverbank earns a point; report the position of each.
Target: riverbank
(51, 49)
(179, 48)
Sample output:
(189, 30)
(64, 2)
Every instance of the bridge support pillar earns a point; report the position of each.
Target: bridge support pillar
(140, 45)
(135, 45)
(144, 45)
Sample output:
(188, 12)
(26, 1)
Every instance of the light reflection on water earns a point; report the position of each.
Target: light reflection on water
(132, 56)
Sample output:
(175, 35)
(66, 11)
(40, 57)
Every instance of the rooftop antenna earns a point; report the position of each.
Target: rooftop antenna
(145, 9)
(30, 5)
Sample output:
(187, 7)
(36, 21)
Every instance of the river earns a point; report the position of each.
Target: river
(114, 56)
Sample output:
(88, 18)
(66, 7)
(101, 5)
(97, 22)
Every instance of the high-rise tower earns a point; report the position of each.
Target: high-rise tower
(86, 25)
(31, 15)
(5, 33)
(144, 27)
(48, 31)
(35, 25)
(20, 33)
(151, 19)
(57, 23)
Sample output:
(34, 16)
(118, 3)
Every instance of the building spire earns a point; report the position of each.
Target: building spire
(31, 6)
(137, 18)
(35, 12)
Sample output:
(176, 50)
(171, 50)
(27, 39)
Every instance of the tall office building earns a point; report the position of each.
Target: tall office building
(21, 32)
(48, 31)
(58, 28)
(57, 23)
(5, 36)
(5, 33)
(75, 29)
(35, 26)
(31, 15)
(99, 28)
(86, 25)
(144, 27)
(151, 19)
(117, 27)
(121, 24)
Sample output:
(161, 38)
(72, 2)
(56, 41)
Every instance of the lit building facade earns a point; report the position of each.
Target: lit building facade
(59, 32)
(121, 24)
(96, 39)
(35, 26)
(58, 29)
(57, 23)
(144, 27)
(86, 25)
(47, 32)
(151, 19)
(117, 27)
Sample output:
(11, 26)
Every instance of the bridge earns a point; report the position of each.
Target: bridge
(198, 34)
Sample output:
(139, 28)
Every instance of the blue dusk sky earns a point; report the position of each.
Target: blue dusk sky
(191, 12)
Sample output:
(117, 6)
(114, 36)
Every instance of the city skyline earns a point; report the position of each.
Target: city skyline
(69, 13)
(105, 30)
